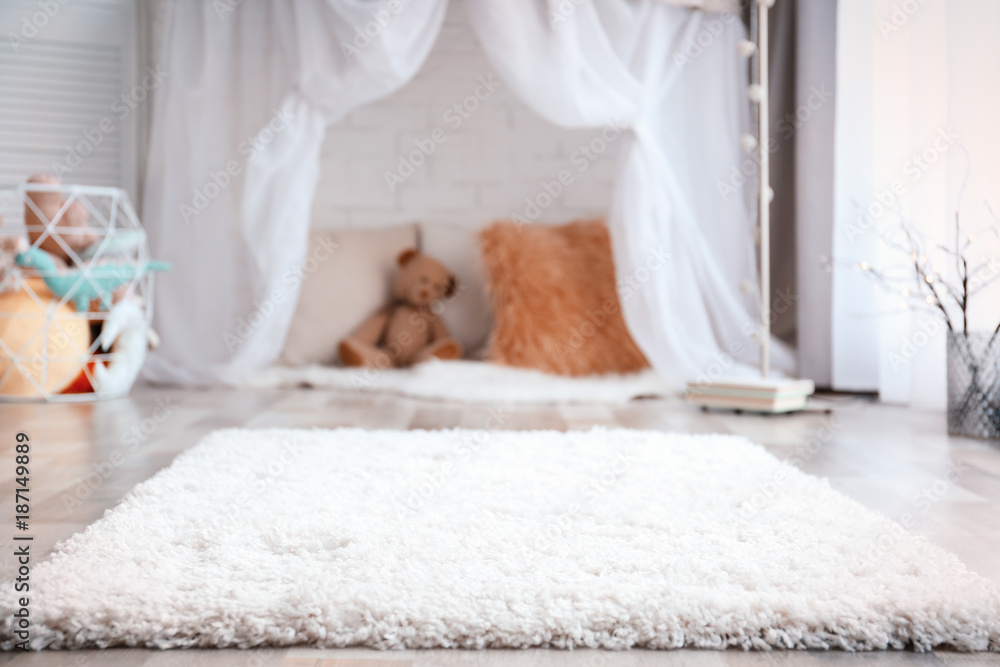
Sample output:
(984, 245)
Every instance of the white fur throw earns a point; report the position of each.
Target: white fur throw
(469, 382)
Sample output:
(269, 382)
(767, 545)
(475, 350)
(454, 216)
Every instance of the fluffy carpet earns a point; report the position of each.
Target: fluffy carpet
(469, 382)
(606, 538)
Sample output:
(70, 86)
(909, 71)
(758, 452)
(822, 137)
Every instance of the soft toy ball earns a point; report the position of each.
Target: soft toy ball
(408, 330)
(50, 341)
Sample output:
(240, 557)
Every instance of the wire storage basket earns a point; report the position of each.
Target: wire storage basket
(76, 292)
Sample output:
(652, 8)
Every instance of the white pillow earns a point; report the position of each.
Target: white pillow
(348, 278)
(468, 315)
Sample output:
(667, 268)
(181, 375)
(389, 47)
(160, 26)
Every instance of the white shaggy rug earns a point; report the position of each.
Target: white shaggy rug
(469, 382)
(391, 539)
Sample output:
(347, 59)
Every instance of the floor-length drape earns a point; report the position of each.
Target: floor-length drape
(917, 139)
(673, 78)
(234, 154)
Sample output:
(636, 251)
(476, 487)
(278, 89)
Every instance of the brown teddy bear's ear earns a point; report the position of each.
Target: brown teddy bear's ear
(406, 256)
(450, 287)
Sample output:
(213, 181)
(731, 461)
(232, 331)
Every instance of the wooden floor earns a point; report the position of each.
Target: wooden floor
(890, 459)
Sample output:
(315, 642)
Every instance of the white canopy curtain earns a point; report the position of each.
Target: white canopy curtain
(917, 90)
(671, 76)
(234, 159)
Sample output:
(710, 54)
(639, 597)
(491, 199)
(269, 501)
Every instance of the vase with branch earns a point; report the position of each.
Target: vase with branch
(945, 279)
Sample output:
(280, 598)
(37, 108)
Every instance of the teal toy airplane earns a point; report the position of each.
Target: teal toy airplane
(98, 283)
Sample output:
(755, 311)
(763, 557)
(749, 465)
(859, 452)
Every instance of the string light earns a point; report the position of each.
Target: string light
(930, 273)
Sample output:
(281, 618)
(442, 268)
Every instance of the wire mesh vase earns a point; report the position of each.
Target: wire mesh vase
(974, 385)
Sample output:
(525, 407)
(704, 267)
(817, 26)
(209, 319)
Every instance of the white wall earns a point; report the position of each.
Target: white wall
(917, 92)
(484, 169)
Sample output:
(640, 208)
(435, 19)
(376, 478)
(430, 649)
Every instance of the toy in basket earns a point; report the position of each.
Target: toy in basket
(75, 292)
(83, 286)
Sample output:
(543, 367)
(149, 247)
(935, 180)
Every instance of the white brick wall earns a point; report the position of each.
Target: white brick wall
(483, 170)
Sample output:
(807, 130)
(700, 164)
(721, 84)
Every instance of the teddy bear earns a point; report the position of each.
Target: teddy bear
(407, 331)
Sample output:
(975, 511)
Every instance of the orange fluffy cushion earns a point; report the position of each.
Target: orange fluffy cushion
(554, 299)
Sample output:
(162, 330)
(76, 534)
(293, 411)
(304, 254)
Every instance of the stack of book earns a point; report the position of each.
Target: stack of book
(751, 394)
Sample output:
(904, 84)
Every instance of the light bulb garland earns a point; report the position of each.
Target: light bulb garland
(927, 284)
